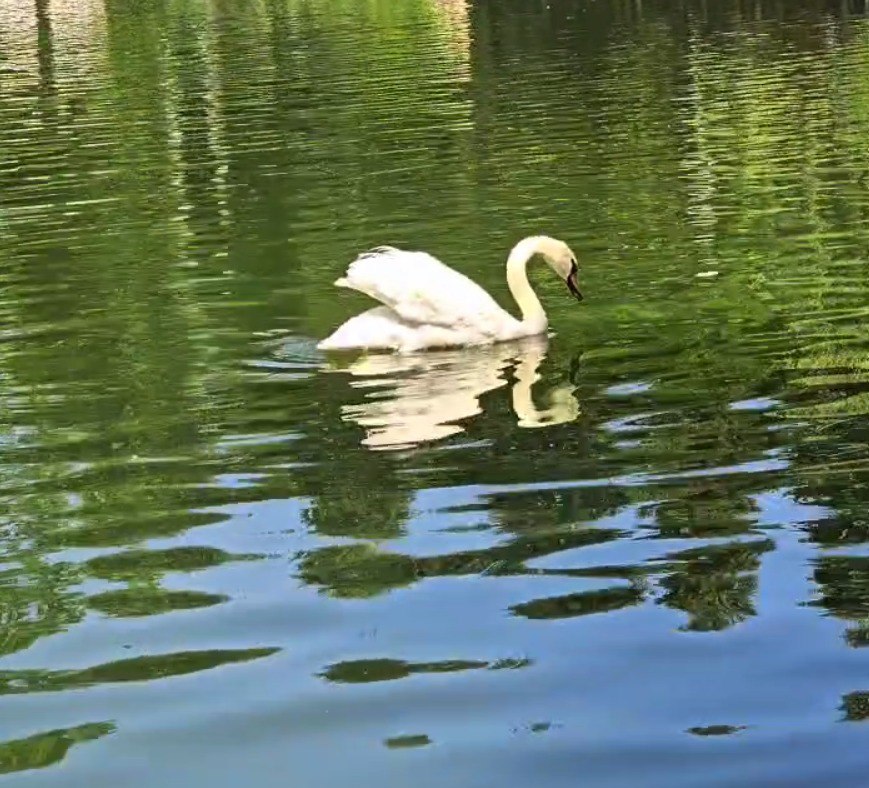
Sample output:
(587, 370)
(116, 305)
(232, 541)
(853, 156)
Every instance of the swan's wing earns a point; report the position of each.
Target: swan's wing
(421, 289)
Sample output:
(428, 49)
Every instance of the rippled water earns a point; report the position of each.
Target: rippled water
(632, 554)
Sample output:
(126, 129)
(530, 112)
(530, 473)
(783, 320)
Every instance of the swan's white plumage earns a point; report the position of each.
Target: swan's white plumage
(381, 327)
(420, 289)
(425, 304)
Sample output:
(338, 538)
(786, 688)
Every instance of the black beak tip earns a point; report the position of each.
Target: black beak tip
(571, 281)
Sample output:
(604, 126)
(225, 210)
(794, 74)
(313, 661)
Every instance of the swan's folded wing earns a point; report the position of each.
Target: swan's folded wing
(421, 289)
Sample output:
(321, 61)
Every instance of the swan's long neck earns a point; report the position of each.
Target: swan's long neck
(533, 316)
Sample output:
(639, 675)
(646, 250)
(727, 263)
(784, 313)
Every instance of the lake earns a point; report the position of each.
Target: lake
(632, 552)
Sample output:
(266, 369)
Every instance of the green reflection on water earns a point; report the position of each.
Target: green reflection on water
(134, 669)
(46, 749)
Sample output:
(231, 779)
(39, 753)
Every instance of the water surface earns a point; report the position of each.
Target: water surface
(631, 553)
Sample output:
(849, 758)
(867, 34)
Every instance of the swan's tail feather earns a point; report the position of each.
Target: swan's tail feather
(377, 251)
(359, 271)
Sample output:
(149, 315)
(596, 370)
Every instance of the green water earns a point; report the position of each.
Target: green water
(632, 554)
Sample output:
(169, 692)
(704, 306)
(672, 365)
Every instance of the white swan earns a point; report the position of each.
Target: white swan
(425, 397)
(427, 304)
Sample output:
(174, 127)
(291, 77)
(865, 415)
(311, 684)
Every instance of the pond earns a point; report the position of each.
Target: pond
(632, 552)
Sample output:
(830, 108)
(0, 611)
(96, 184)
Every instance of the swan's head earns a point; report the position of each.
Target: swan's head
(561, 259)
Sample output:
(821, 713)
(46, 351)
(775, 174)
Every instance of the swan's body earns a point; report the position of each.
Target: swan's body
(427, 304)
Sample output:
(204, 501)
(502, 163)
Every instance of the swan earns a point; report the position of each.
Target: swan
(426, 304)
(419, 398)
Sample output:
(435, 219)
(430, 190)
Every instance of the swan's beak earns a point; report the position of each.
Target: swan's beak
(571, 283)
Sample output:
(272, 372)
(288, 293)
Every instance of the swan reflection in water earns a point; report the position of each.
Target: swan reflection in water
(422, 397)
